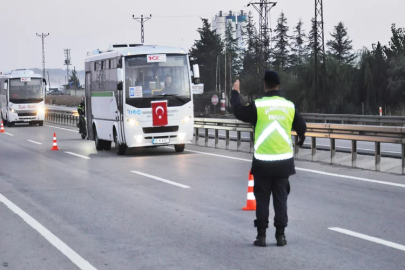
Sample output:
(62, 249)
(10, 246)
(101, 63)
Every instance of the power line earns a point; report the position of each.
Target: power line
(142, 20)
(43, 36)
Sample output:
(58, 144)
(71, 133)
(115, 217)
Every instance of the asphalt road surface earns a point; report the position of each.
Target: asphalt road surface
(155, 209)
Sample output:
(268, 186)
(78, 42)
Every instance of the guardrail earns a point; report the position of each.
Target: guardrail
(353, 133)
(356, 119)
(62, 118)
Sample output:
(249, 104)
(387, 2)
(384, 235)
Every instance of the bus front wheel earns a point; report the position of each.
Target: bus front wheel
(179, 148)
(99, 143)
(120, 148)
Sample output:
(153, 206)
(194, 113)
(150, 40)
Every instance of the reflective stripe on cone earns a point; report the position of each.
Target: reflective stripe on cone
(55, 143)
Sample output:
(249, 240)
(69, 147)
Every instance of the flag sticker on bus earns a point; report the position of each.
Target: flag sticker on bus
(135, 92)
(156, 58)
(25, 79)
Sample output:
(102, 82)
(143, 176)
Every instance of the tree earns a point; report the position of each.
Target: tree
(205, 52)
(252, 58)
(74, 81)
(340, 47)
(282, 47)
(231, 51)
(298, 47)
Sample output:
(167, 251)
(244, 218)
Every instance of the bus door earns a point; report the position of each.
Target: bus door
(120, 102)
(88, 108)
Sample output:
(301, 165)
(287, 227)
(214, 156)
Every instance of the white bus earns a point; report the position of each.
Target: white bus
(139, 96)
(22, 97)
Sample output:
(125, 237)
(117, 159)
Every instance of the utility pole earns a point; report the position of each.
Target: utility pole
(263, 7)
(320, 59)
(43, 36)
(67, 63)
(49, 81)
(142, 20)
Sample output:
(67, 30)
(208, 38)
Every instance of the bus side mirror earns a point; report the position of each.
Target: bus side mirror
(196, 74)
(44, 81)
(5, 86)
(120, 79)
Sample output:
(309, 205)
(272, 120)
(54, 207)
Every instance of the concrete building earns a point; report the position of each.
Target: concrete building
(237, 21)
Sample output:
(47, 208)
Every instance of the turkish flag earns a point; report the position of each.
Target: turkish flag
(159, 113)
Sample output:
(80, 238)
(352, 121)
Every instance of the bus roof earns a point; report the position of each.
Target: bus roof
(117, 50)
(19, 73)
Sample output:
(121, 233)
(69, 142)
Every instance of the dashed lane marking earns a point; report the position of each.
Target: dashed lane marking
(77, 155)
(161, 179)
(34, 142)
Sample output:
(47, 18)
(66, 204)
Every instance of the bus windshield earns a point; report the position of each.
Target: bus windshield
(26, 92)
(148, 78)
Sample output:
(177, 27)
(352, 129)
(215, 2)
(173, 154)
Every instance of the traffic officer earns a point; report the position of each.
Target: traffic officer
(272, 117)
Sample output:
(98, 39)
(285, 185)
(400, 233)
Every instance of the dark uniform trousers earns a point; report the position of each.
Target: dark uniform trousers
(263, 188)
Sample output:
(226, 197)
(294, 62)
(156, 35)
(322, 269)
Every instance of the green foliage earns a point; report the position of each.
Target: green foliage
(281, 50)
(74, 82)
(205, 51)
(371, 78)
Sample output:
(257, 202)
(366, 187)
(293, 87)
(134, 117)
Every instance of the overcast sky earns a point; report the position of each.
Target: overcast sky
(84, 25)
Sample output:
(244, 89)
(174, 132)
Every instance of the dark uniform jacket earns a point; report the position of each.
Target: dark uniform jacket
(81, 108)
(248, 113)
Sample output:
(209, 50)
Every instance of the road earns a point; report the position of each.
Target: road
(156, 209)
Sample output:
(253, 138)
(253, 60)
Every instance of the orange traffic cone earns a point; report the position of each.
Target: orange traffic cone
(251, 200)
(55, 143)
(2, 127)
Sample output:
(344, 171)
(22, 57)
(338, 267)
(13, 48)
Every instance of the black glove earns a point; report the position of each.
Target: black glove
(301, 140)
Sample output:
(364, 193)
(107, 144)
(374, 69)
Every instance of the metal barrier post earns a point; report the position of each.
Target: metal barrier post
(313, 148)
(238, 135)
(296, 147)
(216, 138)
(251, 136)
(377, 156)
(197, 136)
(403, 158)
(354, 153)
(332, 151)
(206, 137)
(227, 139)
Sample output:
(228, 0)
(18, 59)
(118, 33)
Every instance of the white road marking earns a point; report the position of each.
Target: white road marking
(34, 142)
(352, 177)
(55, 241)
(77, 155)
(71, 130)
(9, 134)
(369, 238)
(161, 179)
(308, 170)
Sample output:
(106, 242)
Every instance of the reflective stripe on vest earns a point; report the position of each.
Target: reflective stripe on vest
(273, 129)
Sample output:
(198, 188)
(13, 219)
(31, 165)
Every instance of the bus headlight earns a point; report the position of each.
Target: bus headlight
(12, 110)
(182, 136)
(186, 119)
(133, 122)
(41, 110)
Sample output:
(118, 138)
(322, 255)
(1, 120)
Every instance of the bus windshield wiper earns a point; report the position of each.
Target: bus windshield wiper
(172, 95)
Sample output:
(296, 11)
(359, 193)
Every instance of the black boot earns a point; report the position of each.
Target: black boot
(280, 237)
(261, 237)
